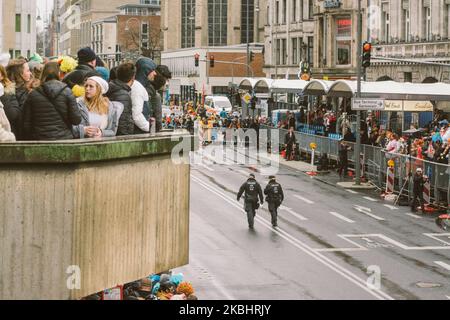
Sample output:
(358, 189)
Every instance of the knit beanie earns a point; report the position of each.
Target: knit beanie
(103, 84)
(86, 55)
(4, 59)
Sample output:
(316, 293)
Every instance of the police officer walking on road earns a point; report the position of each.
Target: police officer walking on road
(252, 190)
(275, 197)
(418, 185)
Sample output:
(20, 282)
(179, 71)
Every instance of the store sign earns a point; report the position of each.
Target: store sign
(393, 105)
(368, 104)
(417, 106)
(330, 4)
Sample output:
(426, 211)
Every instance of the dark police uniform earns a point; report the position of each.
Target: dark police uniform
(418, 186)
(275, 197)
(252, 190)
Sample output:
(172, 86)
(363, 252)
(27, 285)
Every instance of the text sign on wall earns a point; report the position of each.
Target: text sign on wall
(368, 104)
(329, 4)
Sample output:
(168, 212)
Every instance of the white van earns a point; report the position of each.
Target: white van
(218, 103)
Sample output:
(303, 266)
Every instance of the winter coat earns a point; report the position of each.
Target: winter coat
(252, 190)
(5, 128)
(121, 92)
(274, 192)
(140, 108)
(50, 111)
(79, 75)
(114, 112)
(13, 101)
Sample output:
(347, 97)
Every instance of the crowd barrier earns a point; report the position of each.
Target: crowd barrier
(375, 164)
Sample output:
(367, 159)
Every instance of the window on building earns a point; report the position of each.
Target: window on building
(428, 34)
(310, 50)
(29, 23)
(217, 22)
(11, 53)
(407, 27)
(283, 52)
(28, 53)
(278, 53)
(294, 51)
(188, 23)
(145, 35)
(18, 23)
(248, 10)
(408, 76)
(284, 11)
(387, 31)
(343, 40)
(17, 54)
(310, 9)
(446, 20)
(277, 12)
(294, 10)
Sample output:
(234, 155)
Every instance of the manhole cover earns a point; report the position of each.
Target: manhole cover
(428, 285)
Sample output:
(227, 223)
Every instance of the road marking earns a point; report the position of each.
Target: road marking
(443, 265)
(295, 214)
(413, 215)
(367, 212)
(337, 215)
(377, 293)
(351, 191)
(448, 297)
(370, 199)
(304, 199)
(206, 167)
(390, 207)
(436, 235)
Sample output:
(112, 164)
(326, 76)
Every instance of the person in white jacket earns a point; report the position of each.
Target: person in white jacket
(140, 108)
(5, 128)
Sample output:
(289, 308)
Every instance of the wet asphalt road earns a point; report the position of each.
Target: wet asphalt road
(330, 244)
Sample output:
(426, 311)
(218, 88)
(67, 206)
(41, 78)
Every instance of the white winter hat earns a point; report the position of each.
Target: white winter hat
(103, 84)
(2, 90)
(4, 59)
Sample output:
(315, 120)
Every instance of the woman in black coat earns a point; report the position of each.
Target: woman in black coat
(51, 110)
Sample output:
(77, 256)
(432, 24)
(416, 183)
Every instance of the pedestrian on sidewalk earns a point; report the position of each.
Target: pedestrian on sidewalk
(289, 142)
(343, 158)
(419, 180)
(275, 197)
(252, 190)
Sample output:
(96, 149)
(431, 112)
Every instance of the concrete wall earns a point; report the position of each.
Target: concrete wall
(119, 219)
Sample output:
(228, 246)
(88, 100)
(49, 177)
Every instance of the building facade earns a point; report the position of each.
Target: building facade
(18, 27)
(134, 32)
(289, 37)
(414, 30)
(209, 23)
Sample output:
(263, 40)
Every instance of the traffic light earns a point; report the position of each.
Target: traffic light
(211, 61)
(367, 51)
(197, 59)
(252, 56)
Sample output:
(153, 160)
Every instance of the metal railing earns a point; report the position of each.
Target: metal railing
(375, 161)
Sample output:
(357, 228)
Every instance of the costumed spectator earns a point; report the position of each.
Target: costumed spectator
(51, 110)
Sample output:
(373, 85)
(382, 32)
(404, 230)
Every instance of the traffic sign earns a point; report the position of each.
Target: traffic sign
(247, 98)
(367, 104)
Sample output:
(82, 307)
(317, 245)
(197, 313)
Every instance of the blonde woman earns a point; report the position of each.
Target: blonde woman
(100, 117)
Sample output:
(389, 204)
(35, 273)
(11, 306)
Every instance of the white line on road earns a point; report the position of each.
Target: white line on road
(304, 199)
(377, 293)
(295, 214)
(351, 191)
(390, 207)
(448, 297)
(443, 265)
(367, 212)
(370, 199)
(337, 215)
(413, 215)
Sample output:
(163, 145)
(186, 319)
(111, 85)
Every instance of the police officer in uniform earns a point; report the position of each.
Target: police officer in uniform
(418, 185)
(275, 197)
(252, 190)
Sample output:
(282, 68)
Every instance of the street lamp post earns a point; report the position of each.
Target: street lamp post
(358, 95)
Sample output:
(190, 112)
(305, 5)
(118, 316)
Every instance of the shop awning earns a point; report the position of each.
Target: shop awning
(288, 86)
(317, 87)
(248, 83)
(264, 87)
(391, 90)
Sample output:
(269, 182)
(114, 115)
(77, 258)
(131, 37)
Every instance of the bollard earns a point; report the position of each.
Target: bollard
(390, 180)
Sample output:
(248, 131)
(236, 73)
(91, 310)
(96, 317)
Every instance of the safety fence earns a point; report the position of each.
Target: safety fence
(374, 164)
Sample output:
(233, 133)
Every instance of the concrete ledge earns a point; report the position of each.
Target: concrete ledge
(89, 150)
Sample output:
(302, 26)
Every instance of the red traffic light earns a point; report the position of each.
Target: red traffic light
(367, 47)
